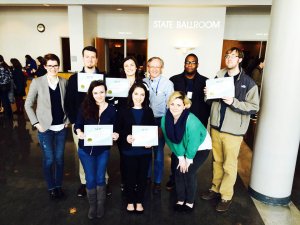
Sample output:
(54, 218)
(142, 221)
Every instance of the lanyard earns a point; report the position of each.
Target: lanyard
(156, 85)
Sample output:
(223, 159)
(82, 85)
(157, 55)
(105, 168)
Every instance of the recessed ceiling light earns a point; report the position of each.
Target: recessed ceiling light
(119, 9)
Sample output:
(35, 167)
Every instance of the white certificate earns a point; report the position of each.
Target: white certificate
(145, 136)
(220, 87)
(85, 79)
(117, 87)
(98, 135)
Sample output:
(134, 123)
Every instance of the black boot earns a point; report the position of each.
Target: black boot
(101, 196)
(92, 197)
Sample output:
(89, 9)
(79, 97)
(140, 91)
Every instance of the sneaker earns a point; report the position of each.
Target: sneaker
(108, 190)
(170, 185)
(81, 191)
(210, 195)
(156, 188)
(223, 205)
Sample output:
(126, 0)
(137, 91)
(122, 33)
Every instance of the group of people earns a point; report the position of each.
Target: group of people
(177, 106)
(13, 81)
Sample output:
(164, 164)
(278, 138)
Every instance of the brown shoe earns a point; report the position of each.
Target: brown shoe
(223, 205)
(210, 195)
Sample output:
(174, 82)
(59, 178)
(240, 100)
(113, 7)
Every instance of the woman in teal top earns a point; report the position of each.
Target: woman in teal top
(189, 140)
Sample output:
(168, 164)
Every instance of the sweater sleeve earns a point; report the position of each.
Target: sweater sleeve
(70, 99)
(195, 135)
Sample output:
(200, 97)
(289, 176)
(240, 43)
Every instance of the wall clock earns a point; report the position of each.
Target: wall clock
(40, 27)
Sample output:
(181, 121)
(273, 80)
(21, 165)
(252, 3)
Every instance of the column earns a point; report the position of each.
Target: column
(278, 127)
(76, 35)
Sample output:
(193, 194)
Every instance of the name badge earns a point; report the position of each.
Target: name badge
(189, 94)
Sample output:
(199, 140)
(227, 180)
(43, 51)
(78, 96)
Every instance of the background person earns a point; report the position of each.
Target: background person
(5, 86)
(48, 92)
(30, 66)
(95, 110)
(19, 84)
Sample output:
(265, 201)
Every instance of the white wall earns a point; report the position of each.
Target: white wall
(123, 25)
(19, 35)
(205, 35)
(247, 24)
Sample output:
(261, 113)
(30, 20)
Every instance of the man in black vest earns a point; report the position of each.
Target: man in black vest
(192, 84)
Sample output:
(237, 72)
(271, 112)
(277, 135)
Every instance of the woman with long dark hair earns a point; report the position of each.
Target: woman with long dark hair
(135, 159)
(95, 111)
(5, 85)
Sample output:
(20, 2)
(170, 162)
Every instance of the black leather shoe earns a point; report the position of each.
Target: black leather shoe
(187, 209)
(223, 205)
(81, 191)
(170, 185)
(178, 207)
(108, 190)
(210, 195)
(52, 194)
(156, 189)
(60, 193)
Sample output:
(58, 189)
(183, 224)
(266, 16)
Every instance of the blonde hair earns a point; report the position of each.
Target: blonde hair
(181, 95)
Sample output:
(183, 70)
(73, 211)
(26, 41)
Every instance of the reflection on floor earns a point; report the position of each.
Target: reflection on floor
(24, 198)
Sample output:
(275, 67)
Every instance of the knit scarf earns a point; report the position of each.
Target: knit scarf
(176, 131)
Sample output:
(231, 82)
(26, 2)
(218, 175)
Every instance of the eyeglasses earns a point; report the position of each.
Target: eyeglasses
(52, 66)
(231, 56)
(190, 63)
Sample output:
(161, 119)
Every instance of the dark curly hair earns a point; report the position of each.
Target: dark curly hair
(89, 106)
(146, 102)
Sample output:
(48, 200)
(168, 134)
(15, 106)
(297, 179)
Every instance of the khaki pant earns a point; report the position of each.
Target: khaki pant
(81, 170)
(226, 149)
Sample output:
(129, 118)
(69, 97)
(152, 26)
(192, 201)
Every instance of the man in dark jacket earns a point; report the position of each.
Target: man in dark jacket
(192, 84)
(73, 102)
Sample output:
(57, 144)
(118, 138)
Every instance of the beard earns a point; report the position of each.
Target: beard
(190, 73)
(90, 67)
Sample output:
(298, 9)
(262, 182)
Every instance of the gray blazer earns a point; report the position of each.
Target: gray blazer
(39, 91)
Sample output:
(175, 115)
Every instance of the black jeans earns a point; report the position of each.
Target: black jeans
(186, 183)
(136, 170)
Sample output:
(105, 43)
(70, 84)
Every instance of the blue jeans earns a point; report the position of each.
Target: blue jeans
(94, 167)
(158, 158)
(53, 146)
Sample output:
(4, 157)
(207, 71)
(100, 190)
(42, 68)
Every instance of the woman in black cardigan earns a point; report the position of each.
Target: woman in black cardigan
(135, 159)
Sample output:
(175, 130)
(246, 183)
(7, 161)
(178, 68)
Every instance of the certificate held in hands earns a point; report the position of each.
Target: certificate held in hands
(98, 135)
(85, 79)
(220, 87)
(117, 87)
(145, 136)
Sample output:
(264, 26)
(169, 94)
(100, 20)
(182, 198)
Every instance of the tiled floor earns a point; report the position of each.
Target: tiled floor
(24, 198)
